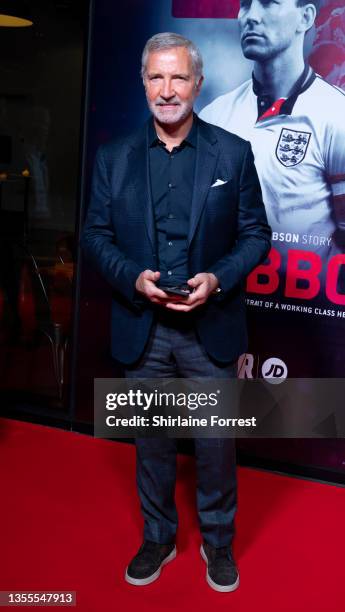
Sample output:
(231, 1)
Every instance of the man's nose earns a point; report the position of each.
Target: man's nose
(253, 13)
(167, 90)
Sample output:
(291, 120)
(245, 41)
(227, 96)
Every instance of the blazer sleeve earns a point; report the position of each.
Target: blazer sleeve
(98, 237)
(253, 232)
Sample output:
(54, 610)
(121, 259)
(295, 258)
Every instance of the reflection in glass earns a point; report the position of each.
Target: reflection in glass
(40, 102)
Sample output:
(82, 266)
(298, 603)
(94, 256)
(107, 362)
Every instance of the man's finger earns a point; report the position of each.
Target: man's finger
(183, 307)
(198, 279)
(192, 282)
(151, 275)
(157, 293)
(198, 294)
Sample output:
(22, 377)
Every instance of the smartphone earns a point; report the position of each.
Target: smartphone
(180, 290)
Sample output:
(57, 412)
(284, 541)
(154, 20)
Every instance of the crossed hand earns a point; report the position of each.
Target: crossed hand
(203, 284)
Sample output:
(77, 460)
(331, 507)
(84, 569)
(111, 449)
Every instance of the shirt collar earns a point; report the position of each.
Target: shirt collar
(286, 105)
(189, 140)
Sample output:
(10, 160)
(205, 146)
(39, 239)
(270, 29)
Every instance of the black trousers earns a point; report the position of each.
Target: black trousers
(174, 351)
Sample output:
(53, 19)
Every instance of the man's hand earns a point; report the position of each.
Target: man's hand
(203, 284)
(145, 284)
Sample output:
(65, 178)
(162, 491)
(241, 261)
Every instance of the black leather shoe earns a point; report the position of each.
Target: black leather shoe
(222, 574)
(147, 563)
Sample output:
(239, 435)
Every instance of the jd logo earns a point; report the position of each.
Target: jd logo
(274, 370)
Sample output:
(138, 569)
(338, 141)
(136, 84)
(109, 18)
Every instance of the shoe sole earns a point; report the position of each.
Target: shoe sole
(154, 576)
(218, 587)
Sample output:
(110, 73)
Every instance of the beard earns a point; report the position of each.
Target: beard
(170, 116)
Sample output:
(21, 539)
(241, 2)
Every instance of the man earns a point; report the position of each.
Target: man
(178, 202)
(295, 123)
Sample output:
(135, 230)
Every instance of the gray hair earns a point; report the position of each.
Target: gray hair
(169, 40)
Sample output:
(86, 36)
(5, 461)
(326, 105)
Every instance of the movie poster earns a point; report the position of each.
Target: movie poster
(296, 299)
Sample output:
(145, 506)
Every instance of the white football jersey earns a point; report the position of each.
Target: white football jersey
(299, 156)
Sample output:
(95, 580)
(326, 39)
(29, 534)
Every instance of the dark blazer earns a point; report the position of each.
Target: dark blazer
(228, 236)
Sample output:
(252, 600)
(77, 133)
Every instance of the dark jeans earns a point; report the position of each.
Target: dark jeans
(174, 351)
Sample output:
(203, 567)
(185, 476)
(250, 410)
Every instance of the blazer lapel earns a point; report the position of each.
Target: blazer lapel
(138, 163)
(205, 164)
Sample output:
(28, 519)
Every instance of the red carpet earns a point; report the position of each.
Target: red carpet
(70, 521)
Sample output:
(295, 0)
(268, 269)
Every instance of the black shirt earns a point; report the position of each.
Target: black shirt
(172, 179)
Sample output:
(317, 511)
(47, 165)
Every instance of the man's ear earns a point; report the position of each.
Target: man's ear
(308, 16)
(198, 85)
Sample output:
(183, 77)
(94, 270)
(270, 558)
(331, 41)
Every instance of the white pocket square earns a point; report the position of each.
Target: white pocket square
(219, 182)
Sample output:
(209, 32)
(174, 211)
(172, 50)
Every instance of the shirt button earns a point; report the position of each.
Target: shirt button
(262, 103)
(170, 216)
(170, 185)
(169, 272)
(170, 243)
